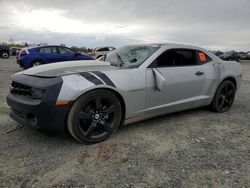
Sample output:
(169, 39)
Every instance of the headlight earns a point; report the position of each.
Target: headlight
(37, 93)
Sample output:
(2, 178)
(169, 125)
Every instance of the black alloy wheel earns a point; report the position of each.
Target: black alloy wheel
(95, 116)
(224, 97)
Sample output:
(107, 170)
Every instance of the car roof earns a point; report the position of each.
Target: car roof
(170, 45)
(28, 48)
(186, 46)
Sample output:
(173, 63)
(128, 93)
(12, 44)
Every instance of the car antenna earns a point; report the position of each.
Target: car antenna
(15, 129)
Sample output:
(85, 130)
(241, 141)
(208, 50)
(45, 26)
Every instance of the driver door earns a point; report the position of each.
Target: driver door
(174, 81)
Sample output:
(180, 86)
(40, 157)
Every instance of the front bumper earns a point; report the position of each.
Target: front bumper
(42, 115)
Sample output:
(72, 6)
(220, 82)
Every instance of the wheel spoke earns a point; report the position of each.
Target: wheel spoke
(98, 103)
(222, 103)
(224, 90)
(84, 115)
(227, 102)
(110, 109)
(221, 97)
(91, 129)
(107, 126)
(230, 93)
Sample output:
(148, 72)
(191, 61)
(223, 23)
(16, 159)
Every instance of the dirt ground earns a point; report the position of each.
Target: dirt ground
(195, 148)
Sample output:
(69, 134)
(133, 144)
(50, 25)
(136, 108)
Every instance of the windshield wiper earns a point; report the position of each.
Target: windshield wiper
(120, 59)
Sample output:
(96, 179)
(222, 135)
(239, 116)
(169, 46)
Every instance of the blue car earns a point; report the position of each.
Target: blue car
(34, 56)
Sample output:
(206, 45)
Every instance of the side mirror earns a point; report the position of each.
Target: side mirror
(159, 80)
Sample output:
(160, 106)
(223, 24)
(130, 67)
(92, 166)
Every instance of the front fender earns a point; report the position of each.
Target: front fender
(75, 85)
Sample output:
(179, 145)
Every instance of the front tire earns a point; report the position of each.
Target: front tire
(94, 117)
(224, 97)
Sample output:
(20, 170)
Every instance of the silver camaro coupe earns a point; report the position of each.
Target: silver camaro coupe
(91, 99)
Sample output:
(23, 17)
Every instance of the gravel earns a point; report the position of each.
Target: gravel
(195, 148)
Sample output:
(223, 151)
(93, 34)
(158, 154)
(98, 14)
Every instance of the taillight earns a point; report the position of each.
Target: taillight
(23, 52)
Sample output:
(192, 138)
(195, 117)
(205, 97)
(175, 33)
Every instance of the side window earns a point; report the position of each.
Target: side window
(66, 51)
(48, 50)
(203, 58)
(54, 50)
(175, 58)
(45, 50)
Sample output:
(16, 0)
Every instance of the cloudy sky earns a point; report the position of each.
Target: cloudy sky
(213, 24)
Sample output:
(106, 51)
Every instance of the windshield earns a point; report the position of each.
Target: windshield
(130, 56)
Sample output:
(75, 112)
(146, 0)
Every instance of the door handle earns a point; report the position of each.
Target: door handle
(199, 73)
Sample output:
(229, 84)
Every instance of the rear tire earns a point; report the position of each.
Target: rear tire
(224, 97)
(94, 117)
(5, 55)
(36, 63)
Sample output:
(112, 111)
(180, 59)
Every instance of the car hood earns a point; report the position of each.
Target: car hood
(68, 67)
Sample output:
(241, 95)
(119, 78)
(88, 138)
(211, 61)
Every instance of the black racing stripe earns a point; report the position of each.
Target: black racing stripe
(104, 78)
(91, 78)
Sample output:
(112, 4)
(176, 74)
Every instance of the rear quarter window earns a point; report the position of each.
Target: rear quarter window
(48, 50)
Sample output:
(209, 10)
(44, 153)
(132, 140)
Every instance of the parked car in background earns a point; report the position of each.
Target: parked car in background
(4, 51)
(243, 56)
(99, 52)
(230, 56)
(14, 51)
(248, 55)
(218, 53)
(34, 56)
